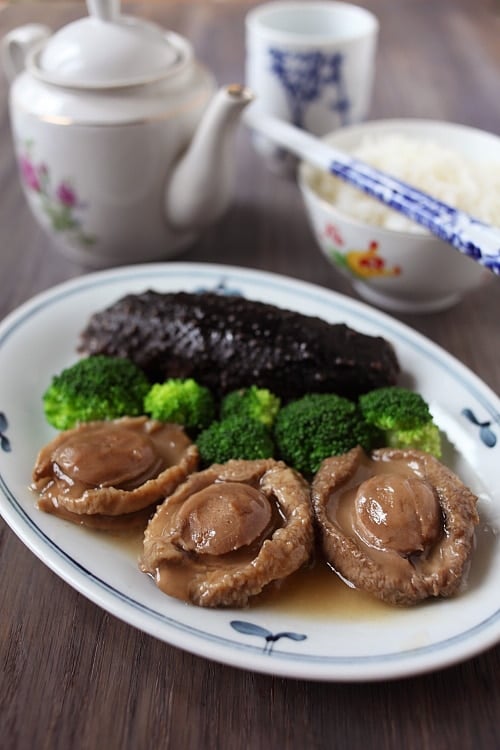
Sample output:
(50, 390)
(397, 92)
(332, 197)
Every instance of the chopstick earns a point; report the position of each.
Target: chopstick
(468, 235)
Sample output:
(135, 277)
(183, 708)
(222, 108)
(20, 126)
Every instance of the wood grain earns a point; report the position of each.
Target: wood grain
(74, 677)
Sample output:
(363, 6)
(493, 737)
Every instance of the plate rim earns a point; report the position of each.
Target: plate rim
(351, 669)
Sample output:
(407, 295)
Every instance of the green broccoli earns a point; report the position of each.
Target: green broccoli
(320, 425)
(425, 438)
(404, 417)
(234, 437)
(94, 388)
(183, 401)
(252, 403)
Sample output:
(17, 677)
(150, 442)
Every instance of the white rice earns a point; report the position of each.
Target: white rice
(471, 186)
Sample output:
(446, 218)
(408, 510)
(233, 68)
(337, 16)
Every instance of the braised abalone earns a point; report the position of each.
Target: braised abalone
(230, 531)
(397, 523)
(106, 473)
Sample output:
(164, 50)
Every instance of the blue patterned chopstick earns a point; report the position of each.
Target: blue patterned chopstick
(466, 234)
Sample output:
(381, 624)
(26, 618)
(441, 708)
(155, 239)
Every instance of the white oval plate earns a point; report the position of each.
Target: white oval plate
(40, 338)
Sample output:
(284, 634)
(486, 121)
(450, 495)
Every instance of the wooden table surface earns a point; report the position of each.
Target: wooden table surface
(73, 676)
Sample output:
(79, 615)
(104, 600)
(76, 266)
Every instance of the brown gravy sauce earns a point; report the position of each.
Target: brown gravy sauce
(319, 593)
(315, 593)
(133, 523)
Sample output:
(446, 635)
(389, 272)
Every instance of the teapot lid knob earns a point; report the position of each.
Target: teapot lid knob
(106, 10)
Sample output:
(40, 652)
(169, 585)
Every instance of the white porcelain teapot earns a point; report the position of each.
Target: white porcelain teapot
(122, 143)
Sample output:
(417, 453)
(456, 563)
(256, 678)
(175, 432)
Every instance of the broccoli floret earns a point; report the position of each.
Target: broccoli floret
(94, 388)
(426, 438)
(251, 403)
(394, 408)
(234, 437)
(319, 425)
(183, 401)
(404, 417)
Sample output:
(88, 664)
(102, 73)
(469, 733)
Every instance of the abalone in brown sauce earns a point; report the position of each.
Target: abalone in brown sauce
(229, 531)
(111, 474)
(397, 523)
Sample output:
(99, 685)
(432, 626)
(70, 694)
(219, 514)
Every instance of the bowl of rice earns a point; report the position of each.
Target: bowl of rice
(391, 261)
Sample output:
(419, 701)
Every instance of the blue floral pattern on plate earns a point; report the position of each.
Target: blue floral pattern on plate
(250, 628)
(4, 440)
(486, 434)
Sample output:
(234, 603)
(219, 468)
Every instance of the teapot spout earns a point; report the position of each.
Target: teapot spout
(199, 190)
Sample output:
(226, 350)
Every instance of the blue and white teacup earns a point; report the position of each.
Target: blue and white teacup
(311, 64)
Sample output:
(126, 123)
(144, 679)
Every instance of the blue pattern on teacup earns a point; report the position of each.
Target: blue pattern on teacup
(305, 76)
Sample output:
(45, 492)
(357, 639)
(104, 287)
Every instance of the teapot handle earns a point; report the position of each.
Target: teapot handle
(16, 45)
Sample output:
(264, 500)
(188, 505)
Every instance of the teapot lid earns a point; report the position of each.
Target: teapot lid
(107, 49)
